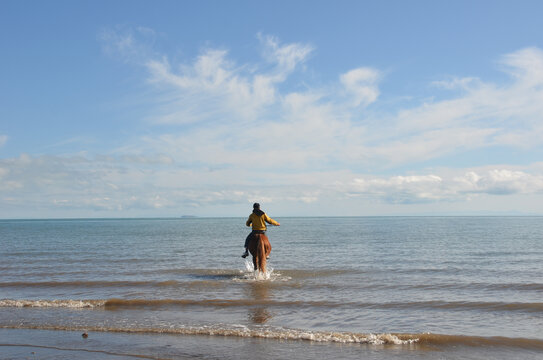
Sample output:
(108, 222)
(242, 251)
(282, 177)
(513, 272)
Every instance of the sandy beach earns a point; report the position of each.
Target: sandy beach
(47, 344)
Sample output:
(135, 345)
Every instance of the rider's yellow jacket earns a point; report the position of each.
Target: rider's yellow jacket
(259, 221)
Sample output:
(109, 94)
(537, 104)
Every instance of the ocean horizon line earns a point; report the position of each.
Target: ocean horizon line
(194, 217)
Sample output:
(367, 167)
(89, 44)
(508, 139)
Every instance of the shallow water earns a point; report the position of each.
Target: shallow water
(381, 285)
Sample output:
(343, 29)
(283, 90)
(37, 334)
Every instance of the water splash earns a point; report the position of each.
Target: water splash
(249, 274)
(248, 265)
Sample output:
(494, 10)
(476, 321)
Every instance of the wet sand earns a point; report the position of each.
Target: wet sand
(47, 344)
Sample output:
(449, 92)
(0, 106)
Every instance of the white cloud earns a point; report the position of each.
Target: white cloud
(413, 188)
(500, 182)
(134, 185)
(3, 140)
(210, 90)
(361, 83)
(482, 116)
(526, 65)
(234, 103)
(456, 83)
(236, 133)
(287, 56)
(456, 188)
(213, 87)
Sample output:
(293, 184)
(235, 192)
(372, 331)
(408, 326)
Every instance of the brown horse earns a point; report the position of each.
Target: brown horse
(260, 248)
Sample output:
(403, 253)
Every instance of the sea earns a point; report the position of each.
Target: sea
(336, 288)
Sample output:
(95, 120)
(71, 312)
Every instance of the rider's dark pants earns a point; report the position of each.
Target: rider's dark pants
(251, 235)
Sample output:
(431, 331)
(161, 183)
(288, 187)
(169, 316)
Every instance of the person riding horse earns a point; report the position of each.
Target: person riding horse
(258, 220)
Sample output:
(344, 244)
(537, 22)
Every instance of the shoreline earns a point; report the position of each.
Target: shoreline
(65, 344)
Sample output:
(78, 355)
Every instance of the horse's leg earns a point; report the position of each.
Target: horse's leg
(268, 247)
(261, 253)
(252, 248)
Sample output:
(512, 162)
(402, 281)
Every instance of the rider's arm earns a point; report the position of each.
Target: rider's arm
(269, 220)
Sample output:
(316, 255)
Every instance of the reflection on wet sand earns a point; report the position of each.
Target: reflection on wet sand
(259, 291)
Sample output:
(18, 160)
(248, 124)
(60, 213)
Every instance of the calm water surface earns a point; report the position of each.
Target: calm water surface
(381, 287)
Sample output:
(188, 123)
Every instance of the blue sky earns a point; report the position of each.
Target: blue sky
(169, 108)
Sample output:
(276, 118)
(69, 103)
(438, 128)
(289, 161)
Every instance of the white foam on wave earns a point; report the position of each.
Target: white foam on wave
(75, 304)
(246, 332)
(344, 337)
(297, 334)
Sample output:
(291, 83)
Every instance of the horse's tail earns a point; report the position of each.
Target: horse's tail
(261, 254)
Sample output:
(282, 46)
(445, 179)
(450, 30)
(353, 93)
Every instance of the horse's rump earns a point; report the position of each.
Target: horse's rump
(260, 248)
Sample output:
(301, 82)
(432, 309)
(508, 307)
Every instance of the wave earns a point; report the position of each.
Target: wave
(115, 303)
(415, 340)
(277, 279)
(304, 274)
(223, 273)
(472, 286)
(439, 340)
(137, 303)
(75, 304)
(466, 305)
(243, 331)
(89, 284)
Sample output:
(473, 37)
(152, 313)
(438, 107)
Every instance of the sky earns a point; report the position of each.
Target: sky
(312, 108)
